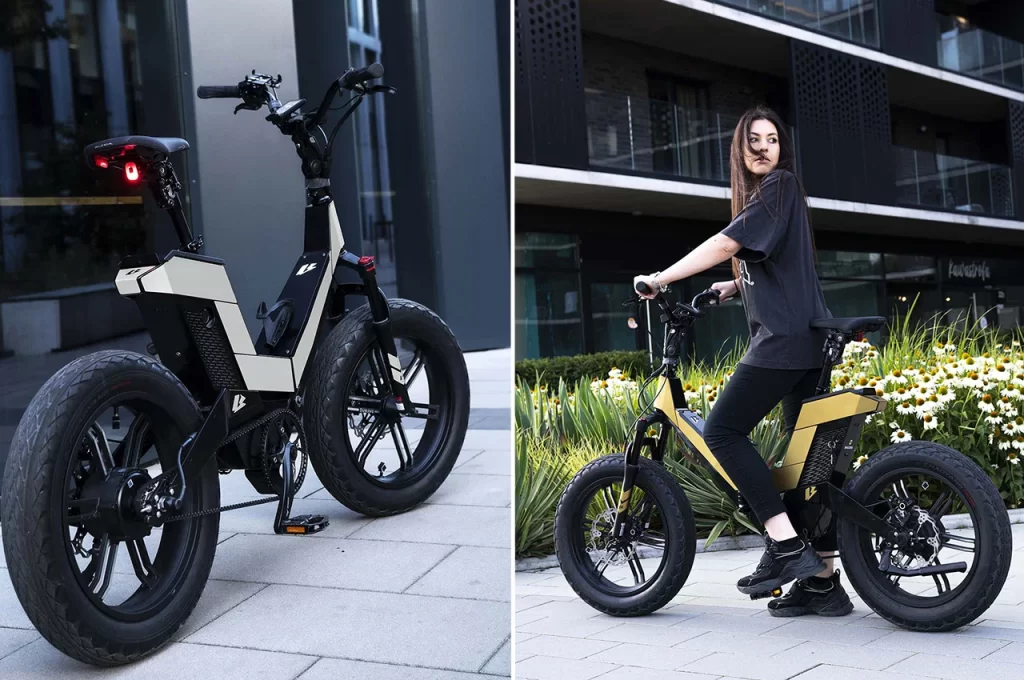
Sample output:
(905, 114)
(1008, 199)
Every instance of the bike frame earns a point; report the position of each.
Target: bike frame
(191, 312)
(820, 450)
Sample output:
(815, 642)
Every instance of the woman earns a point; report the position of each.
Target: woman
(772, 249)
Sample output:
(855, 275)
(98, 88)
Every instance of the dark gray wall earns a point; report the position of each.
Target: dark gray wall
(447, 164)
(252, 193)
(321, 50)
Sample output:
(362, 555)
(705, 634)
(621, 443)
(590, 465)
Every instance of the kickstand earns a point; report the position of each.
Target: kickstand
(300, 524)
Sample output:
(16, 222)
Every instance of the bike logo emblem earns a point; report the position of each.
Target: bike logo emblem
(305, 269)
(239, 403)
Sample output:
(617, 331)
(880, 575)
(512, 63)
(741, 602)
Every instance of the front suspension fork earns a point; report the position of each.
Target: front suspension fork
(640, 439)
(388, 365)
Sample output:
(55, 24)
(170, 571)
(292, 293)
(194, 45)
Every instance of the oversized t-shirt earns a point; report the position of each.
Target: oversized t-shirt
(779, 286)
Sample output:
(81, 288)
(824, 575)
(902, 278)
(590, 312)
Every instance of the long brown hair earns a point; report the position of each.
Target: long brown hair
(745, 184)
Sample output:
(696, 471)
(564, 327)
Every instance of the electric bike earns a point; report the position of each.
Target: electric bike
(120, 449)
(624, 528)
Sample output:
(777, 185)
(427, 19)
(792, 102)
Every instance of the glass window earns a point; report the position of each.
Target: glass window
(549, 321)
(547, 250)
(848, 265)
(723, 328)
(909, 267)
(75, 76)
(609, 318)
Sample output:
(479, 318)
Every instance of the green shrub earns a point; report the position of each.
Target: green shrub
(563, 423)
(572, 369)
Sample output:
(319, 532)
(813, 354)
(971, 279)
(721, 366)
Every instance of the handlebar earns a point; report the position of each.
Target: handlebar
(218, 92)
(361, 75)
(702, 300)
(258, 90)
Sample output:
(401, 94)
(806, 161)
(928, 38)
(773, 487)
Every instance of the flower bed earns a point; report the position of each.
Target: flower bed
(963, 390)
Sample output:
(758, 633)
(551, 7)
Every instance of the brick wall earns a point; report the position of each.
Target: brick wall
(616, 71)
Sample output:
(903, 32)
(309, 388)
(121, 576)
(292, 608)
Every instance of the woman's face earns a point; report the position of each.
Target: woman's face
(762, 152)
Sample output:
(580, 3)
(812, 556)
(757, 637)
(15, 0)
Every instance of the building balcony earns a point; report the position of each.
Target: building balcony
(978, 53)
(931, 180)
(852, 20)
(646, 136)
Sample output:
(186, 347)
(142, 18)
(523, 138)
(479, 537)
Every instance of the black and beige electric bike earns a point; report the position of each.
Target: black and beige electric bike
(119, 454)
(624, 528)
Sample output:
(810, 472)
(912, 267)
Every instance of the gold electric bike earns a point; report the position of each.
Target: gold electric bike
(624, 529)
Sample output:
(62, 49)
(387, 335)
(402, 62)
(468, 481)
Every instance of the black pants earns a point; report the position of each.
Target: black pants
(749, 396)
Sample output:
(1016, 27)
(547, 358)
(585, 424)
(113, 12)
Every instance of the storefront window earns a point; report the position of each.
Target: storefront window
(849, 265)
(71, 75)
(549, 316)
(609, 319)
(909, 268)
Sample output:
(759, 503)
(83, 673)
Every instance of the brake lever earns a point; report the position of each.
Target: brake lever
(382, 88)
(248, 106)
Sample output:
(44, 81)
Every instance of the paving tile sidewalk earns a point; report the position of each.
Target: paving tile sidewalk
(712, 631)
(424, 595)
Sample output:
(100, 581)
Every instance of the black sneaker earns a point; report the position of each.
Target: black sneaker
(781, 563)
(821, 596)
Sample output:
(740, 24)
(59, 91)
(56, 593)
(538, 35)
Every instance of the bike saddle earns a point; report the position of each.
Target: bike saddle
(852, 324)
(142, 145)
(275, 320)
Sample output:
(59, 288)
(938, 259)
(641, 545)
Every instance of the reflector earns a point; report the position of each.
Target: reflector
(131, 171)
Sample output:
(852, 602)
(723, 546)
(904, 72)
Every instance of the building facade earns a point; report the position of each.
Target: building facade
(908, 125)
(420, 178)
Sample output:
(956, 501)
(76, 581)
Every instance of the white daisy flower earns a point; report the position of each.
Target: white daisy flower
(900, 436)
(986, 407)
(860, 461)
(993, 420)
(1010, 393)
(930, 421)
(905, 408)
(1018, 443)
(1004, 445)
(1013, 458)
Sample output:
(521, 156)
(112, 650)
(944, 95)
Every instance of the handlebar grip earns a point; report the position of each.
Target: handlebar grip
(218, 92)
(361, 75)
(643, 288)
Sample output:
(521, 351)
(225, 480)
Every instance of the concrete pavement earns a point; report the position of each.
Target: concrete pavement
(424, 595)
(712, 631)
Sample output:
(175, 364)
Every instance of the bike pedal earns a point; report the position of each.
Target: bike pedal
(776, 592)
(303, 524)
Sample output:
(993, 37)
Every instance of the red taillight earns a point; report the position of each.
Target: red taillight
(101, 161)
(131, 171)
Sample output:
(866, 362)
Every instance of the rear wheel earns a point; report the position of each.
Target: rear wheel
(104, 587)
(917, 487)
(632, 577)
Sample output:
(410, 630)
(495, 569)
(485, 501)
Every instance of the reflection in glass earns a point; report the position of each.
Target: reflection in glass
(609, 317)
(549, 321)
(978, 53)
(854, 20)
(70, 77)
(547, 250)
(939, 181)
(849, 265)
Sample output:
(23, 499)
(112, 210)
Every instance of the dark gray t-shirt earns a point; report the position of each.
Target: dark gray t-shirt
(779, 286)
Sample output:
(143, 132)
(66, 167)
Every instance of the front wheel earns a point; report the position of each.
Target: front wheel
(640, 573)
(367, 451)
(916, 487)
(97, 582)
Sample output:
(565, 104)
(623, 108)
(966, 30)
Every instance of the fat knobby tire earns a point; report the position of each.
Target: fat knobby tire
(992, 531)
(325, 418)
(680, 535)
(33, 537)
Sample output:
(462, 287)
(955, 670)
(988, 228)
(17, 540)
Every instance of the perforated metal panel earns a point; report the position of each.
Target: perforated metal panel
(827, 443)
(550, 116)
(1015, 122)
(214, 351)
(841, 112)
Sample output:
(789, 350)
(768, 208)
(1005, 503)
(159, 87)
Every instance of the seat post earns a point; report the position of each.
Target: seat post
(166, 190)
(834, 345)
